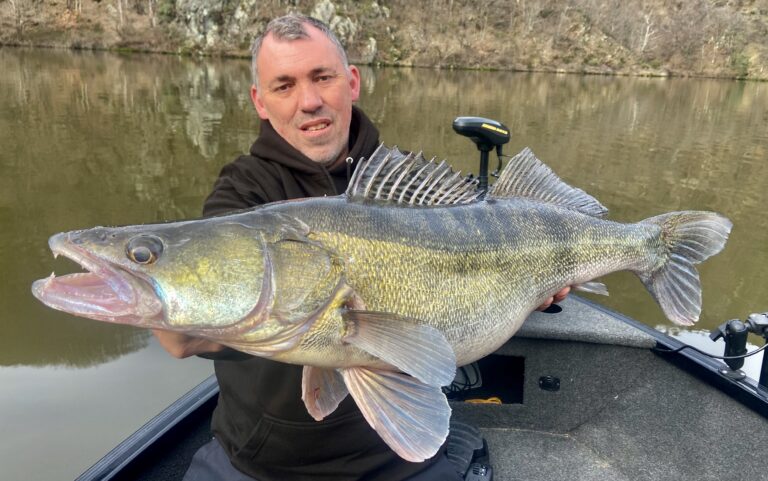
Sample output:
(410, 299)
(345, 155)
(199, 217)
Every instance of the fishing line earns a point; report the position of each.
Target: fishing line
(688, 346)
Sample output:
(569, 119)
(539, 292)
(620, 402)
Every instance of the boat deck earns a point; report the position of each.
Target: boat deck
(621, 411)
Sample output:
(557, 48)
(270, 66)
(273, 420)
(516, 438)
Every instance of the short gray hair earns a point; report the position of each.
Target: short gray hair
(291, 27)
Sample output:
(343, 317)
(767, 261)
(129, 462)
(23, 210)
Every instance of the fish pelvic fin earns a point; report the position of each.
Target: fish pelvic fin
(322, 390)
(410, 180)
(415, 348)
(410, 416)
(527, 176)
(687, 238)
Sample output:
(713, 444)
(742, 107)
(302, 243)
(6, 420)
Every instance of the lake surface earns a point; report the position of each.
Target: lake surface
(103, 139)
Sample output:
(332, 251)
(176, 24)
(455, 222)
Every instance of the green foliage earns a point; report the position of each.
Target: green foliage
(740, 64)
(166, 10)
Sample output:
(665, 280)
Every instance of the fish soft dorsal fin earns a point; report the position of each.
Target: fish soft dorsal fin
(392, 176)
(527, 176)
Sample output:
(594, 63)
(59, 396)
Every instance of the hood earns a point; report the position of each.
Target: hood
(270, 146)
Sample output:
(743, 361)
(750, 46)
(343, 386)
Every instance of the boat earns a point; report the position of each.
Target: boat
(580, 393)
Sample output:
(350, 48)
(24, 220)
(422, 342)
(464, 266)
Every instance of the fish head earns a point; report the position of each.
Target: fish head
(202, 274)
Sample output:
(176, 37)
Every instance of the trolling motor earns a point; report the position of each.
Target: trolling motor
(734, 333)
(488, 135)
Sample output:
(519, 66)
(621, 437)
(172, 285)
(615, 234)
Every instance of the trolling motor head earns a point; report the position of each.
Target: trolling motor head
(487, 134)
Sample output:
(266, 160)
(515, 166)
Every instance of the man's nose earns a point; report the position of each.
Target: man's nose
(310, 99)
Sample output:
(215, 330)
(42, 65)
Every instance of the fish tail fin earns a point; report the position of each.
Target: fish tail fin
(687, 238)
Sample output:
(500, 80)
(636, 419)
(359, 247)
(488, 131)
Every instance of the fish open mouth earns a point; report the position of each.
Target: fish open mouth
(104, 292)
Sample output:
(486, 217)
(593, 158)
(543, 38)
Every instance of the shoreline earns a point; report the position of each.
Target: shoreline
(695, 39)
(662, 74)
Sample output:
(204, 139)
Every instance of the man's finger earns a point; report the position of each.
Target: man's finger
(546, 304)
(560, 296)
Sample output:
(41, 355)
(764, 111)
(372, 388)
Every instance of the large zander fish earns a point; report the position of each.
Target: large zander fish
(380, 293)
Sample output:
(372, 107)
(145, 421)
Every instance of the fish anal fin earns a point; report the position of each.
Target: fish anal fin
(413, 347)
(527, 176)
(410, 416)
(322, 390)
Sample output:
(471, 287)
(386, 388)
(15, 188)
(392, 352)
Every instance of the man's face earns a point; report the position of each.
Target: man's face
(306, 93)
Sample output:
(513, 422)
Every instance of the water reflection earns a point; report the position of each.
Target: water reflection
(97, 138)
(75, 416)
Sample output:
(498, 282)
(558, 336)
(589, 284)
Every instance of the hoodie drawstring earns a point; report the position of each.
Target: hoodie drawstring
(349, 161)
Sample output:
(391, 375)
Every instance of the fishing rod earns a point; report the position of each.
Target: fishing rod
(488, 135)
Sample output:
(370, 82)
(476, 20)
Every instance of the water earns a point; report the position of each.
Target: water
(97, 138)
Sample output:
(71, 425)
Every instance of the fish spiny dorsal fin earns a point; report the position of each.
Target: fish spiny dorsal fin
(392, 176)
(527, 176)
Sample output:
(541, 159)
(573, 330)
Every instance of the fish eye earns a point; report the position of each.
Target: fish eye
(144, 249)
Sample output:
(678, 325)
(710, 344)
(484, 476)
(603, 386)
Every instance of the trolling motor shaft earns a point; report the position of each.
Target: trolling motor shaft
(488, 135)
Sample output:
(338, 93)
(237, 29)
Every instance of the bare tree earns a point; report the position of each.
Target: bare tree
(19, 8)
(649, 31)
(151, 11)
(120, 15)
(75, 6)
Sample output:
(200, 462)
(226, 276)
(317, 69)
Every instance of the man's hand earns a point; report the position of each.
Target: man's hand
(555, 299)
(181, 345)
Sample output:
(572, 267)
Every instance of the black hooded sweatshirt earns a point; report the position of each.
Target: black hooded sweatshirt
(260, 419)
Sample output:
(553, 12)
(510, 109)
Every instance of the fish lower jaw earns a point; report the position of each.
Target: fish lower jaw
(90, 295)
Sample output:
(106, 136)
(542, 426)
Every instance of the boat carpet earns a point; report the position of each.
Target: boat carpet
(523, 455)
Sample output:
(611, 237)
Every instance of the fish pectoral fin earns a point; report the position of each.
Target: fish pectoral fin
(417, 349)
(593, 287)
(322, 390)
(410, 416)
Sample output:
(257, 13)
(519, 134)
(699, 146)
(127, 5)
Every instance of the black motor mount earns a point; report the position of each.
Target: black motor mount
(734, 333)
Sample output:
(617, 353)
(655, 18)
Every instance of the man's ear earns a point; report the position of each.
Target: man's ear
(354, 82)
(259, 103)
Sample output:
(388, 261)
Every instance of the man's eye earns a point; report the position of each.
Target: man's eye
(324, 78)
(282, 88)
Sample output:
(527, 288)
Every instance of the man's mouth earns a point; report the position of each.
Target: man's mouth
(315, 126)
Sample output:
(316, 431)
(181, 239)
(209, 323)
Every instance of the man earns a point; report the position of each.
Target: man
(303, 91)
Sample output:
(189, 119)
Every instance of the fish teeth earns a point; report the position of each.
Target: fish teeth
(48, 281)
